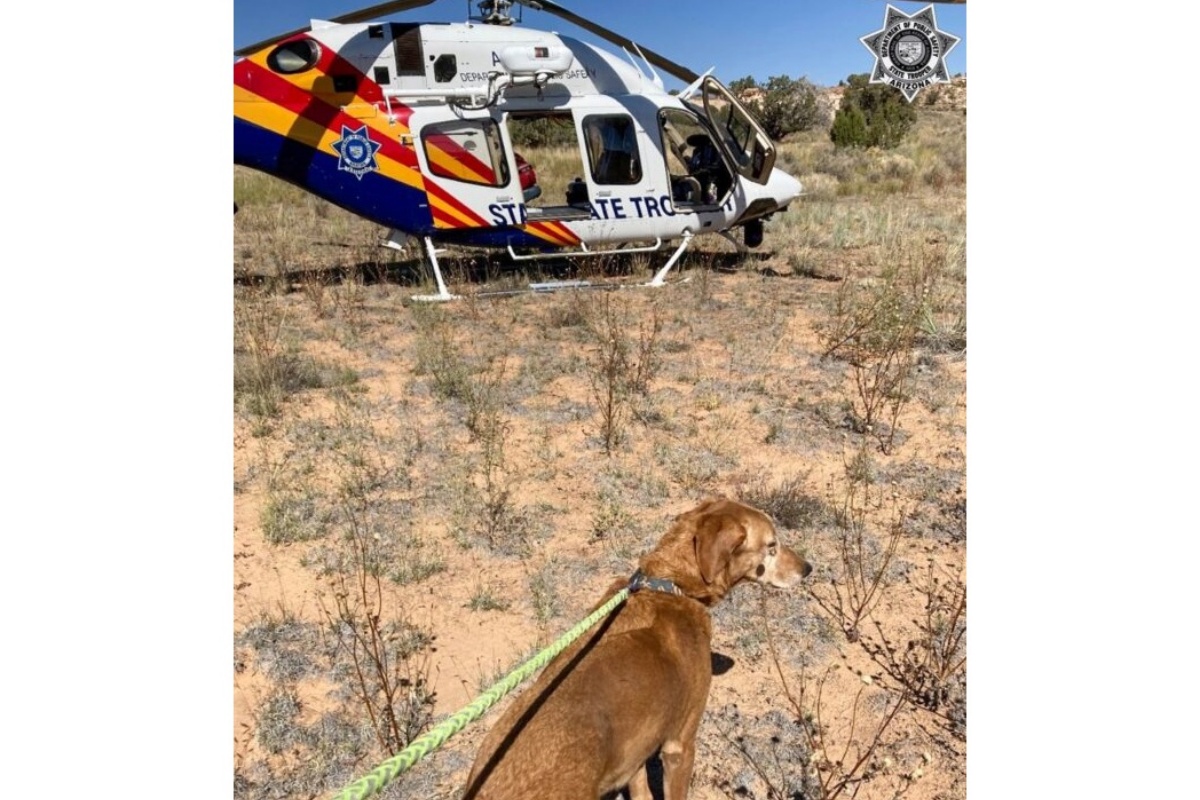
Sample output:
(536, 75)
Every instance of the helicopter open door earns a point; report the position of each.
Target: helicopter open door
(740, 137)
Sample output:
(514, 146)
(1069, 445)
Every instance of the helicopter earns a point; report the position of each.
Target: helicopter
(413, 126)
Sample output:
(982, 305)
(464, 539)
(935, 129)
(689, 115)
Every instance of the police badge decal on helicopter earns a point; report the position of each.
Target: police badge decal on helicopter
(910, 52)
(356, 151)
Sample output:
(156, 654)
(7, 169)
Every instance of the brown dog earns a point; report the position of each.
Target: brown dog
(636, 684)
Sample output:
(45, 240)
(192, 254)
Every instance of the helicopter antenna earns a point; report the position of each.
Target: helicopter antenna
(653, 75)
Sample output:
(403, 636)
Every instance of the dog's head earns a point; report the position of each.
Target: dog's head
(735, 542)
(729, 542)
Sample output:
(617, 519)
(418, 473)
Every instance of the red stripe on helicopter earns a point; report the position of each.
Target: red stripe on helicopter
(476, 171)
(300, 101)
(543, 230)
(442, 196)
(330, 64)
(555, 230)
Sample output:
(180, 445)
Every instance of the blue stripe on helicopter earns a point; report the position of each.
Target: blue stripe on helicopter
(373, 196)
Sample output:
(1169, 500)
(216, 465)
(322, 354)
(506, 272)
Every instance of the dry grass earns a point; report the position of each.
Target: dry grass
(485, 468)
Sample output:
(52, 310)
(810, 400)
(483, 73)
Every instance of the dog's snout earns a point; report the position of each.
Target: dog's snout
(804, 573)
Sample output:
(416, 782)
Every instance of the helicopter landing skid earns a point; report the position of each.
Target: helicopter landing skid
(396, 239)
(661, 276)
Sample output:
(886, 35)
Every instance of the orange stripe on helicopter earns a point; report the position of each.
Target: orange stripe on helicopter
(447, 165)
(555, 232)
(446, 216)
(328, 65)
(276, 90)
(280, 121)
(458, 162)
(543, 231)
(448, 212)
(452, 209)
(291, 110)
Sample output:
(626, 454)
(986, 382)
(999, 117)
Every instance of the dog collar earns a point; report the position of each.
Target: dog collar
(640, 581)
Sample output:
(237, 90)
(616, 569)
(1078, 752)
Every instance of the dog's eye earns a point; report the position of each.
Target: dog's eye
(772, 548)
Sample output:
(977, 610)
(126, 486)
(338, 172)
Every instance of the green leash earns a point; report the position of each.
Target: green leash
(386, 772)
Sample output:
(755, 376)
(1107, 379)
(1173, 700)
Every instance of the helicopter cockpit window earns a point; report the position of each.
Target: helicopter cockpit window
(612, 149)
(292, 57)
(698, 173)
(466, 150)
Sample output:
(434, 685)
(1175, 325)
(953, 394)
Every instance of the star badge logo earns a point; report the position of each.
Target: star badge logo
(910, 52)
(356, 152)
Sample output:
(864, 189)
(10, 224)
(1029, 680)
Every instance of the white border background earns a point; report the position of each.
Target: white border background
(1082, 439)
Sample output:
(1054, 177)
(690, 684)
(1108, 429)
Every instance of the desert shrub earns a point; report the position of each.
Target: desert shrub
(544, 593)
(487, 598)
(267, 366)
(417, 560)
(849, 127)
(874, 326)
(282, 646)
(931, 668)
(871, 115)
(788, 106)
(383, 653)
(788, 502)
(775, 757)
(279, 728)
(864, 567)
(555, 131)
(742, 85)
(785, 105)
(294, 510)
(621, 368)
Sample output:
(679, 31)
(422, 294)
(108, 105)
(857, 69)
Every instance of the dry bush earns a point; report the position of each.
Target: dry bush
(864, 562)
(874, 326)
(931, 668)
(621, 368)
(788, 502)
(385, 652)
(818, 745)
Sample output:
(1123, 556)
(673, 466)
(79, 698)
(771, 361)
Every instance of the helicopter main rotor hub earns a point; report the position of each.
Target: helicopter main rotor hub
(496, 12)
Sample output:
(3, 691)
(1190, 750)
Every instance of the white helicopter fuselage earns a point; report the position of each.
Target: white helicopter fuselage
(410, 125)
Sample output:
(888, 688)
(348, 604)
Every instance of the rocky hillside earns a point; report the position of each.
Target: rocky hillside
(942, 97)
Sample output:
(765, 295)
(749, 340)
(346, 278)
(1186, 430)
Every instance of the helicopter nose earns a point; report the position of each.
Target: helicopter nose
(783, 187)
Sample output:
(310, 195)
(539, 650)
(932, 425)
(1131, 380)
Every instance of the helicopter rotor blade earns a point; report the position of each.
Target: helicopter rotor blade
(362, 15)
(682, 73)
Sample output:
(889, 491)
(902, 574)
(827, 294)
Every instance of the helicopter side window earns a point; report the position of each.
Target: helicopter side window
(466, 150)
(445, 67)
(612, 149)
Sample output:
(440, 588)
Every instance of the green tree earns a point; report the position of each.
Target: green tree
(886, 115)
(849, 127)
(742, 84)
(788, 106)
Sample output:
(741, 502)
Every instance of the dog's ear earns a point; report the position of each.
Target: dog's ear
(717, 536)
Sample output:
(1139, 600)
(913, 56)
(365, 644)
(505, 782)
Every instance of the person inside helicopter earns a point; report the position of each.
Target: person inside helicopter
(705, 165)
(699, 175)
